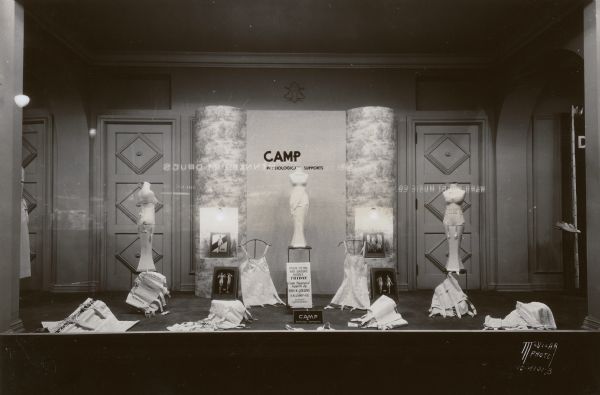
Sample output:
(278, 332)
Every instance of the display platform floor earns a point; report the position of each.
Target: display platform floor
(569, 310)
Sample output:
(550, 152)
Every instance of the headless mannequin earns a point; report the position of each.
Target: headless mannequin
(146, 221)
(298, 206)
(454, 224)
(25, 264)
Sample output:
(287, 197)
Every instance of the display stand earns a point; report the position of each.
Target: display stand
(463, 271)
(290, 248)
(307, 248)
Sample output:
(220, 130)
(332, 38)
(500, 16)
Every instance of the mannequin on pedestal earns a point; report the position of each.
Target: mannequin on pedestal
(454, 223)
(298, 206)
(146, 220)
(25, 247)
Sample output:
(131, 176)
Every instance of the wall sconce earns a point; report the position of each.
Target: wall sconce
(373, 214)
(21, 100)
(220, 214)
(92, 133)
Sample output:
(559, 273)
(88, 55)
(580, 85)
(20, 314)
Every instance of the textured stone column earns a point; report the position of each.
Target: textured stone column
(371, 171)
(219, 139)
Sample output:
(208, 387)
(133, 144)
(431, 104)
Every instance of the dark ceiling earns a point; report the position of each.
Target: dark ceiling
(298, 26)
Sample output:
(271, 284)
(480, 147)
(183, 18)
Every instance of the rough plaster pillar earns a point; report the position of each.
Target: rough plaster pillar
(591, 16)
(11, 84)
(219, 139)
(371, 173)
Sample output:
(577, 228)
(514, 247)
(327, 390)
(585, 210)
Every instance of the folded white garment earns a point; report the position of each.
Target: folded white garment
(534, 315)
(148, 293)
(382, 314)
(449, 300)
(223, 314)
(91, 316)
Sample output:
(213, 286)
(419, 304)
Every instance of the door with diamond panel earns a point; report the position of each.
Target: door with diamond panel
(35, 134)
(446, 152)
(136, 152)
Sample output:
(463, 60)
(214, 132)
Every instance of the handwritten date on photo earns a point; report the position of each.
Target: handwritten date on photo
(537, 357)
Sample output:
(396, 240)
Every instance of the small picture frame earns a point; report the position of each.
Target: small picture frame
(219, 245)
(225, 283)
(374, 245)
(383, 282)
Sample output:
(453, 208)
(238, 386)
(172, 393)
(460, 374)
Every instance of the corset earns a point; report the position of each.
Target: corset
(454, 215)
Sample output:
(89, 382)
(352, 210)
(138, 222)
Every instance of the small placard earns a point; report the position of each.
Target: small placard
(299, 289)
(308, 316)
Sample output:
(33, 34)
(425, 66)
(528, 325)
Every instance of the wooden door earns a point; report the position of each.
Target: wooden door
(136, 152)
(446, 152)
(34, 155)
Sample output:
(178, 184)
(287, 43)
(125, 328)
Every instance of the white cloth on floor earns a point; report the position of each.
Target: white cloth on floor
(382, 314)
(354, 291)
(449, 300)
(257, 286)
(91, 316)
(534, 315)
(223, 314)
(148, 293)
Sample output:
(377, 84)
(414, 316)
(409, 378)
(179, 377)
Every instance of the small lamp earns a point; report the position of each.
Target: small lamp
(220, 214)
(21, 100)
(373, 214)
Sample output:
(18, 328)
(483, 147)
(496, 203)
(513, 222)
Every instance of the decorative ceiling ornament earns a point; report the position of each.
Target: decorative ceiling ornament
(294, 92)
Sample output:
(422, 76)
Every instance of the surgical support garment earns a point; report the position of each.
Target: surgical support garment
(354, 291)
(148, 293)
(449, 300)
(382, 314)
(257, 286)
(91, 316)
(534, 315)
(223, 314)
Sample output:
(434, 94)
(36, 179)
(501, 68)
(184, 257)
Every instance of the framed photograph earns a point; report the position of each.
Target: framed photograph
(220, 245)
(383, 282)
(374, 245)
(225, 283)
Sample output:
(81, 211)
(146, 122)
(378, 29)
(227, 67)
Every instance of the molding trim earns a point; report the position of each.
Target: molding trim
(74, 288)
(190, 287)
(16, 326)
(513, 287)
(547, 286)
(591, 323)
(287, 60)
(528, 287)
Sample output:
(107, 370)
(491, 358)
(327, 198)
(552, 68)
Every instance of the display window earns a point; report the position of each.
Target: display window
(248, 171)
(328, 213)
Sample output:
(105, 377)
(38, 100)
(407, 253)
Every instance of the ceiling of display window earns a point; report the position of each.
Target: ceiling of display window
(299, 26)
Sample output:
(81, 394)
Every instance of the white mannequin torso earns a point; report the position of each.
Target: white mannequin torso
(454, 197)
(299, 204)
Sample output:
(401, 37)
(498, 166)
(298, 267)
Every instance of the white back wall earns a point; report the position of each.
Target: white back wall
(320, 137)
